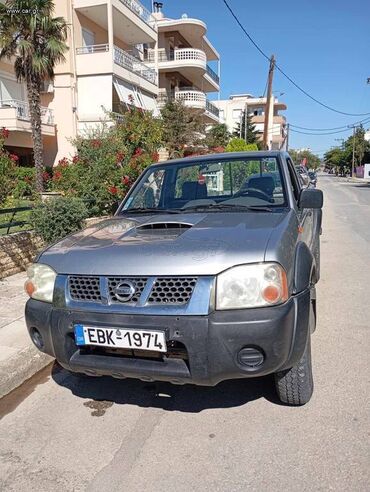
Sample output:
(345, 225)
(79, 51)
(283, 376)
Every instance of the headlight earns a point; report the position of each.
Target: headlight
(249, 286)
(40, 283)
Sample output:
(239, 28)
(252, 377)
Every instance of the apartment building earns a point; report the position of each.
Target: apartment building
(119, 54)
(231, 111)
(183, 57)
(14, 115)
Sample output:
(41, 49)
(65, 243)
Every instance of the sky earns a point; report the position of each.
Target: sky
(323, 45)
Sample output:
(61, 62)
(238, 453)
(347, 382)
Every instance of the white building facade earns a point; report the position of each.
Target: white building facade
(119, 54)
(232, 109)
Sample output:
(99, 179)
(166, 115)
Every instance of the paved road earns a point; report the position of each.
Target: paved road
(61, 433)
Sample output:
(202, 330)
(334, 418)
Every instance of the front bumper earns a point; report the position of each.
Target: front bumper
(212, 342)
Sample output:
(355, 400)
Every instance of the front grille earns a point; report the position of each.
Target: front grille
(169, 290)
(139, 284)
(84, 288)
(165, 290)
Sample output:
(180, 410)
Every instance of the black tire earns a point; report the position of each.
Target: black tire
(295, 386)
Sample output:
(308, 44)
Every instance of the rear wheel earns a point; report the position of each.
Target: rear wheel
(295, 386)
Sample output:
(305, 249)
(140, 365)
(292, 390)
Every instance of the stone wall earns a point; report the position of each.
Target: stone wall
(17, 251)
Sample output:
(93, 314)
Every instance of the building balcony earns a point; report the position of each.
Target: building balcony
(130, 18)
(190, 62)
(99, 59)
(192, 98)
(279, 119)
(15, 116)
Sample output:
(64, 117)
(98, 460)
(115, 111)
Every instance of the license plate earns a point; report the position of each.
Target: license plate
(120, 338)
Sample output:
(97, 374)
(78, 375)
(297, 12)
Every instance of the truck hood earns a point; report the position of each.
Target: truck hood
(185, 244)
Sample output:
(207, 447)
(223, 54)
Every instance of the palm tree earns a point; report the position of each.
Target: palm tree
(36, 40)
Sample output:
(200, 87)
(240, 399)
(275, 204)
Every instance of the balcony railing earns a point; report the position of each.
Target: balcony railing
(190, 97)
(212, 109)
(23, 113)
(123, 59)
(135, 65)
(142, 12)
(213, 74)
(94, 48)
(181, 54)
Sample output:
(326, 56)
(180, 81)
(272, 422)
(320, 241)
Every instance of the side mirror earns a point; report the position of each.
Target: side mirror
(311, 198)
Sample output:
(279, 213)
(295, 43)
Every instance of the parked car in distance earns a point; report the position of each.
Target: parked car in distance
(207, 272)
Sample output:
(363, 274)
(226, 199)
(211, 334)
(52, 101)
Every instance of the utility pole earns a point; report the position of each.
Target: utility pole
(353, 151)
(268, 101)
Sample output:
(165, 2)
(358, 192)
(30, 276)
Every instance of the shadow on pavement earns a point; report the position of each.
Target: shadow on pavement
(187, 398)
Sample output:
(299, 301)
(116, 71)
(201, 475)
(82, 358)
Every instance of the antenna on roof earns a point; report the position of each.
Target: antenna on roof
(157, 7)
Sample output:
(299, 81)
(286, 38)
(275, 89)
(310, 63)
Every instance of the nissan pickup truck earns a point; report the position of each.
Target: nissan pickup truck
(206, 273)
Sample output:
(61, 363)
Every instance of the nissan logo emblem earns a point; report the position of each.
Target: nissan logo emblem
(125, 291)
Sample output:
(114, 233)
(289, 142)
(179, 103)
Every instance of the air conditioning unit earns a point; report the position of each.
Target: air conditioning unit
(47, 86)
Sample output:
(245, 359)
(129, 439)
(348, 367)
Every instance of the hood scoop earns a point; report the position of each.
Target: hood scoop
(163, 226)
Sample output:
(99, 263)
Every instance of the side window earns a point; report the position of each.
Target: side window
(294, 180)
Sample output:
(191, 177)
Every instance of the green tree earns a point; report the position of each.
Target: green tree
(240, 145)
(312, 160)
(37, 43)
(182, 127)
(218, 136)
(246, 130)
(362, 148)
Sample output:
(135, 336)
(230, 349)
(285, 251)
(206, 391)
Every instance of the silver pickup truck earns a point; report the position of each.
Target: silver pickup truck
(206, 272)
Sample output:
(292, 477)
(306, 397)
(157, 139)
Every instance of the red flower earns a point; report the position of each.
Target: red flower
(119, 157)
(155, 157)
(57, 175)
(14, 157)
(96, 144)
(75, 159)
(63, 162)
(113, 190)
(138, 152)
(4, 132)
(45, 176)
(125, 180)
(219, 149)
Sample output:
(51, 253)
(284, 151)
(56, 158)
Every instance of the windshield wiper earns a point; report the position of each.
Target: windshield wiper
(231, 206)
(142, 210)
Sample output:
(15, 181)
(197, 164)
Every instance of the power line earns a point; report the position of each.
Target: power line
(364, 121)
(317, 134)
(282, 71)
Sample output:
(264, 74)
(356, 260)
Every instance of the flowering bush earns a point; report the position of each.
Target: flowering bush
(109, 161)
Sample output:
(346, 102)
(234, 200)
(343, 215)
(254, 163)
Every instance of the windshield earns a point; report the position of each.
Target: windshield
(248, 182)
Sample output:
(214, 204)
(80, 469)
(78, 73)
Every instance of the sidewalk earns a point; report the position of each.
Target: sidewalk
(19, 358)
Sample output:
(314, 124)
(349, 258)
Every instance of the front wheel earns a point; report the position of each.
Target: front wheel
(295, 386)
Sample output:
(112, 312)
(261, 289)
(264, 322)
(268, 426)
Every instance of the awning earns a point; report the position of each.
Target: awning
(149, 103)
(140, 98)
(125, 90)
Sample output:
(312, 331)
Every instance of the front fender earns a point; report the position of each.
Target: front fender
(303, 267)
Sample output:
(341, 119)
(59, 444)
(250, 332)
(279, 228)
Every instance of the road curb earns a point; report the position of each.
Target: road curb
(20, 367)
